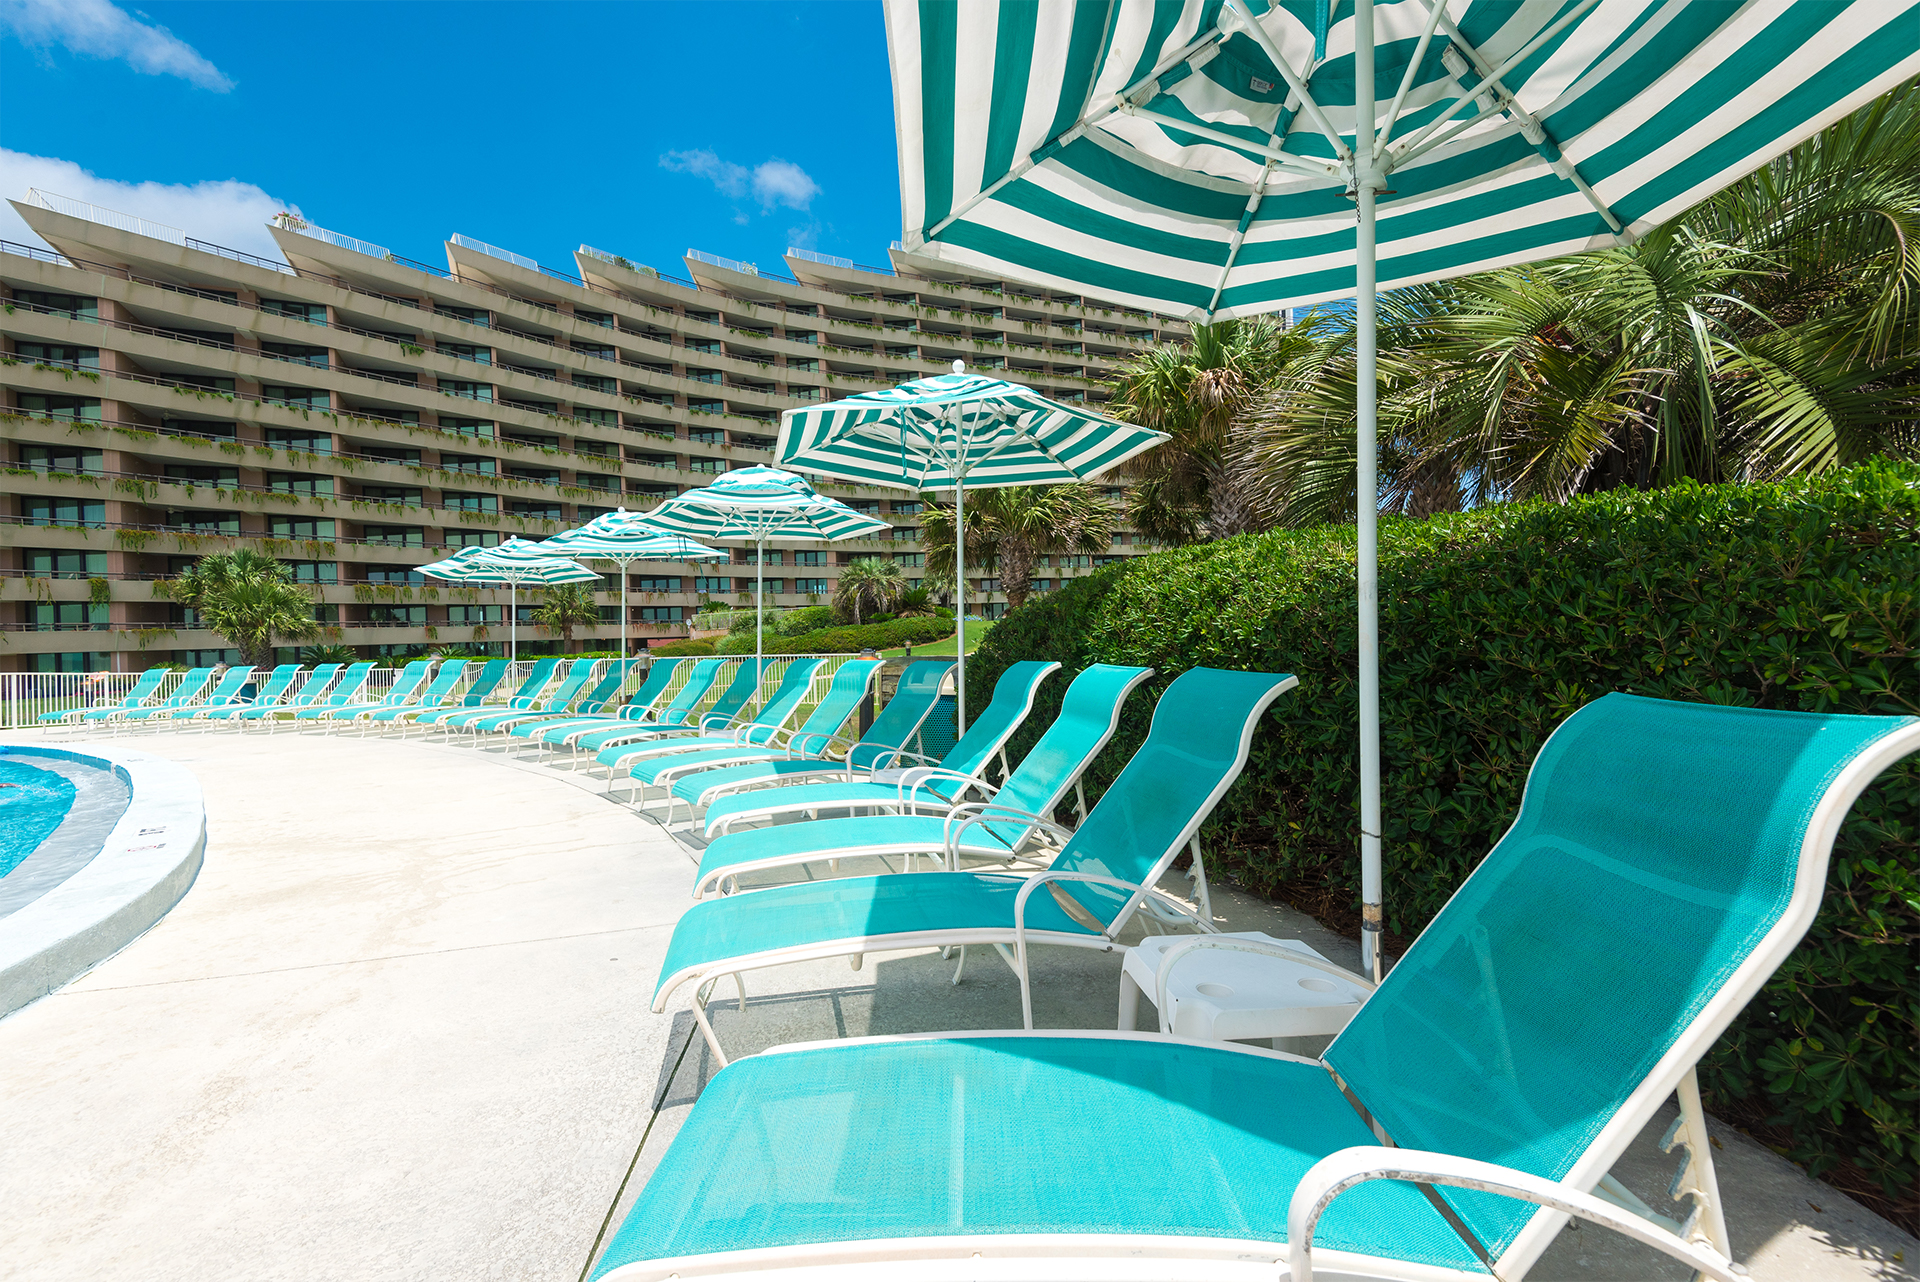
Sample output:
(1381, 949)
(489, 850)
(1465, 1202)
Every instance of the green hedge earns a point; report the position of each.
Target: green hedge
(681, 649)
(1497, 624)
(876, 636)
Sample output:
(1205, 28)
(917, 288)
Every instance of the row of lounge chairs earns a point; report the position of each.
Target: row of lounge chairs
(1666, 859)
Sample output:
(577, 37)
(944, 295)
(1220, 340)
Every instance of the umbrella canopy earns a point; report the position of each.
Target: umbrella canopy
(1199, 158)
(620, 537)
(514, 562)
(760, 503)
(1222, 158)
(957, 431)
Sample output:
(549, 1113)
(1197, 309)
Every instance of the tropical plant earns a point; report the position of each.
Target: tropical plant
(869, 585)
(1010, 529)
(564, 607)
(1188, 488)
(250, 599)
(1772, 331)
(914, 601)
(315, 655)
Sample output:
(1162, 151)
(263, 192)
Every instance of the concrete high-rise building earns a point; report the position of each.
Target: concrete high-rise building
(357, 414)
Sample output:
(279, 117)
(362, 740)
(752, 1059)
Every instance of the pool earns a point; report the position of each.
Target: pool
(33, 802)
(96, 844)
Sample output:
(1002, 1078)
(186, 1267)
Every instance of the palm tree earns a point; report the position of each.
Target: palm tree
(1773, 330)
(1187, 488)
(249, 598)
(914, 601)
(315, 655)
(871, 582)
(1010, 529)
(564, 607)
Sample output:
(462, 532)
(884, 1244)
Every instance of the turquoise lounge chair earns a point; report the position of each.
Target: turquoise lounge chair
(601, 702)
(437, 695)
(933, 786)
(768, 722)
(1089, 715)
(224, 695)
(557, 699)
(1104, 874)
(346, 691)
(674, 713)
(406, 685)
(880, 746)
(643, 705)
(680, 720)
(851, 684)
(310, 692)
(1666, 860)
(193, 683)
(143, 690)
(527, 696)
(272, 691)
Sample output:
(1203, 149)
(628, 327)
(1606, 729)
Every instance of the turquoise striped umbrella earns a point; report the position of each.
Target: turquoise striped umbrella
(1207, 158)
(514, 562)
(760, 503)
(957, 431)
(620, 537)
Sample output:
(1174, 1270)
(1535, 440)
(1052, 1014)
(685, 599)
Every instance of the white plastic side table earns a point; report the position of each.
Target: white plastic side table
(1239, 987)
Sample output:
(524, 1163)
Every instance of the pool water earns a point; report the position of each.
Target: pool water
(33, 802)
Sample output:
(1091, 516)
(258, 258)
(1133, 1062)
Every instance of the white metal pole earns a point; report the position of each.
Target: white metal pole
(622, 566)
(759, 612)
(960, 603)
(513, 621)
(1367, 482)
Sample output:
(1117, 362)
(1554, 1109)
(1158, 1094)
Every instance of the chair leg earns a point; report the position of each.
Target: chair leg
(1695, 1178)
(700, 1018)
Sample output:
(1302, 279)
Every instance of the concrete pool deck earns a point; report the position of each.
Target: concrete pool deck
(399, 1029)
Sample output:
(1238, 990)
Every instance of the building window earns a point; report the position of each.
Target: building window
(59, 354)
(404, 495)
(83, 408)
(204, 522)
(596, 383)
(397, 616)
(471, 463)
(399, 536)
(295, 483)
(465, 352)
(295, 439)
(75, 305)
(809, 558)
(662, 613)
(51, 564)
(916, 560)
(473, 538)
(466, 426)
(774, 557)
(68, 616)
(707, 435)
(206, 383)
(61, 458)
(711, 466)
(63, 512)
(586, 513)
(471, 315)
(311, 313)
(473, 615)
(814, 586)
(313, 571)
(389, 574)
(299, 527)
(80, 661)
(470, 502)
(467, 391)
(192, 474)
(708, 583)
(535, 510)
(706, 406)
(297, 353)
(656, 584)
(300, 398)
(908, 509)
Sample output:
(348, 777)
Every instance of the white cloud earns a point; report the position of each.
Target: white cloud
(227, 211)
(772, 182)
(99, 29)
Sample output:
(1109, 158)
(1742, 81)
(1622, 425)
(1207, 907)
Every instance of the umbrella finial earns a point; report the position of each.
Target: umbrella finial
(959, 367)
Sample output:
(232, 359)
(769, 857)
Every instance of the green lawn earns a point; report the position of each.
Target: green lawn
(977, 630)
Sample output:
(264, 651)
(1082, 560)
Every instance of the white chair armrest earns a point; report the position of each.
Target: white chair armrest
(1337, 1172)
(968, 814)
(910, 782)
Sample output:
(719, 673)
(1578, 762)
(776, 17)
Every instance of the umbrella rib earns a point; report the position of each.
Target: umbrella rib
(1243, 18)
(1434, 12)
(1274, 155)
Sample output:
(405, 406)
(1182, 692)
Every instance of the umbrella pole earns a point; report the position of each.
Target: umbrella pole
(960, 604)
(1367, 482)
(513, 622)
(759, 614)
(623, 611)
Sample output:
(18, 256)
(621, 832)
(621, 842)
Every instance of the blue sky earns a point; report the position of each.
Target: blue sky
(639, 128)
